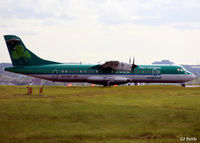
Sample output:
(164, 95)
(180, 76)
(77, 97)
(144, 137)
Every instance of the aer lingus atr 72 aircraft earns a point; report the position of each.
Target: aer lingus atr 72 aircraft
(109, 73)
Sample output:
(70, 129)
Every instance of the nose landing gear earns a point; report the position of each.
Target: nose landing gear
(183, 84)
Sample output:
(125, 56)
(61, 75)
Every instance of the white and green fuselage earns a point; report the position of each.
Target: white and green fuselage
(95, 74)
(27, 63)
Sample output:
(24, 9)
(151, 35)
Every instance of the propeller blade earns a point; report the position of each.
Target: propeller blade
(129, 60)
(134, 65)
(133, 60)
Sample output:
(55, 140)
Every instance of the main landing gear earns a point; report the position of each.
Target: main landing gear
(107, 84)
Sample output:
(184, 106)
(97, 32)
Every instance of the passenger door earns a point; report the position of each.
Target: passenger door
(55, 74)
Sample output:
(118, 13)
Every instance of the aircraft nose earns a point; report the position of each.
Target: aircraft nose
(194, 76)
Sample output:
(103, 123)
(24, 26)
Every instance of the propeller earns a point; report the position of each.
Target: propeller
(134, 65)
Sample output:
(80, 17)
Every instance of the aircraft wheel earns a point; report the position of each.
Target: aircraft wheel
(183, 84)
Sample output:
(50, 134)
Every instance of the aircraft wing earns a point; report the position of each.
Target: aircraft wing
(110, 64)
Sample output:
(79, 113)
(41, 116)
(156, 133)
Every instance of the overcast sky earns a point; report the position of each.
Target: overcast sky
(98, 30)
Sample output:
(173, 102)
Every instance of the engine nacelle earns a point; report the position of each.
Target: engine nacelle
(123, 66)
(116, 65)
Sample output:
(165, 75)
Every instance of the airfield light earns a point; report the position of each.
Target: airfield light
(69, 85)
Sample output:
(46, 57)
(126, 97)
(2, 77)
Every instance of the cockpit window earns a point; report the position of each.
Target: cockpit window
(180, 69)
(183, 69)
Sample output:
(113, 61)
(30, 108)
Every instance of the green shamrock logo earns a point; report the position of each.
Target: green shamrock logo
(19, 52)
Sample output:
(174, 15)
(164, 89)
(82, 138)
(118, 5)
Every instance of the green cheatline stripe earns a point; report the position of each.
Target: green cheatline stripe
(98, 74)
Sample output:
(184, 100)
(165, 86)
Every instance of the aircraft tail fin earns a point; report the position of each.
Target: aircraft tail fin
(20, 55)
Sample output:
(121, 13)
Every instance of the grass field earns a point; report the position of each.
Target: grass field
(144, 114)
